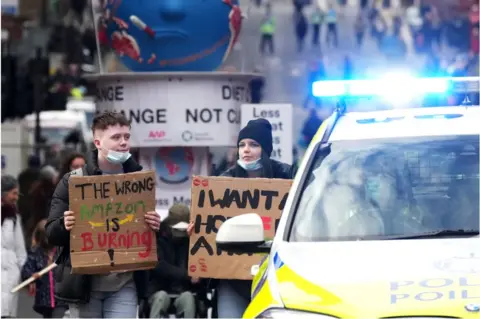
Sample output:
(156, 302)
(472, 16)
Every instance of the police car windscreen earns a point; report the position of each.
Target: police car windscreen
(390, 187)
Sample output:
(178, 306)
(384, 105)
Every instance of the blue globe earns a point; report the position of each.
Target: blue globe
(172, 35)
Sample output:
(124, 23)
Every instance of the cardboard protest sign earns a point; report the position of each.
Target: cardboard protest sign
(214, 200)
(110, 233)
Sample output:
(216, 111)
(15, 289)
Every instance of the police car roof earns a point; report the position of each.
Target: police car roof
(413, 122)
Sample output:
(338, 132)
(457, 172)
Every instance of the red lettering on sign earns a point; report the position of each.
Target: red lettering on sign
(119, 241)
(196, 181)
(193, 268)
(156, 134)
(87, 241)
(266, 222)
(203, 265)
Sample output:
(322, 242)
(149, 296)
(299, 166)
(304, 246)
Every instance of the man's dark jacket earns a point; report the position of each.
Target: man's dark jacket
(60, 237)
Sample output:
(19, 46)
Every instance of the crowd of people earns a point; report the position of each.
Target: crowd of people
(36, 222)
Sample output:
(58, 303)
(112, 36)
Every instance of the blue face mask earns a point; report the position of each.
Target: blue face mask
(115, 157)
(250, 166)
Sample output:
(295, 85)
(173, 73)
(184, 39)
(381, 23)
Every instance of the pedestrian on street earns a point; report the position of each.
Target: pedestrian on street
(40, 256)
(316, 73)
(332, 33)
(379, 29)
(14, 253)
(317, 21)
(347, 68)
(301, 28)
(360, 27)
(114, 295)
(267, 32)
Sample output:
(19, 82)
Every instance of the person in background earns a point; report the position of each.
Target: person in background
(414, 20)
(114, 295)
(435, 23)
(73, 161)
(227, 161)
(170, 276)
(39, 257)
(360, 27)
(317, 72)
(393, 47)
(397, 25)
(256, 87)
(317, 20)
(255, 145)
(310, 128)
(14, 253)
(379, 29)
(267, 31)
(332, 32)
(301, 29)
(40, 196)
(347, 68)
(25, 180)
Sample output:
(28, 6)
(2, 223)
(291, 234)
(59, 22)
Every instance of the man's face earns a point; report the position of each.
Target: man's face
(10, 198)
(114, 138)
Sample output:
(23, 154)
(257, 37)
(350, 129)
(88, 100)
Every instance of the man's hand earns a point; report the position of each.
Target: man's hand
(195, 280)
(190, 228)
(153, 220)
(68, 220)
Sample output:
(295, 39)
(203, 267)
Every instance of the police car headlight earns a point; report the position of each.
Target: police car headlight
(280, 313)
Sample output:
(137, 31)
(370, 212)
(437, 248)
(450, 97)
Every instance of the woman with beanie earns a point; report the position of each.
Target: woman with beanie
(14, 253)
(255, 145)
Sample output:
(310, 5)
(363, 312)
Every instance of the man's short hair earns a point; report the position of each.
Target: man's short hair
(103, 120)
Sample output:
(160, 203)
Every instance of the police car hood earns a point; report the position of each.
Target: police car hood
(380, 278)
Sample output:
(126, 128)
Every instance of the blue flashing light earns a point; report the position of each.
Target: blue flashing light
(389, 87)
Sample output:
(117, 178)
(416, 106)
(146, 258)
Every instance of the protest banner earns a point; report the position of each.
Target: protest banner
(216, 199)
(110, 233)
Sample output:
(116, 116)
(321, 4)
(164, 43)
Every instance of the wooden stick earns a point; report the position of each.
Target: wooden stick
(32, 279)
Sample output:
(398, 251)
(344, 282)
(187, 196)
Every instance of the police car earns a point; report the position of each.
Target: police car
(382, 220)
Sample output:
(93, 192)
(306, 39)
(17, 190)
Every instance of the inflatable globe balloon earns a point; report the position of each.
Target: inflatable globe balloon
(171, 35)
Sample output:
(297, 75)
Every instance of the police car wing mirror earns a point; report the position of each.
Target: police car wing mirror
(243, 234)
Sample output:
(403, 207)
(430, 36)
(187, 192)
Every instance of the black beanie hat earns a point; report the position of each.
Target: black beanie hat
(259, 130)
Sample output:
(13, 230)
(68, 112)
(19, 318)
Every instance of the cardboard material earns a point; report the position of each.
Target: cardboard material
(215, 199)
(110, 233)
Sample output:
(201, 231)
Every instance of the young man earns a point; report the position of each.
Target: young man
(98, 296)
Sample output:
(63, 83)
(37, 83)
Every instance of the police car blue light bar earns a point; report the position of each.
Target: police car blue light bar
(395, 85)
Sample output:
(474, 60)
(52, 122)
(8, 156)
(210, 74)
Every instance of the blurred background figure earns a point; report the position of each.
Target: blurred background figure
(360, 27)
(332, 32)
(14, 253)
(317, 20)
(267, 31)
(40, 256)
(301, 29)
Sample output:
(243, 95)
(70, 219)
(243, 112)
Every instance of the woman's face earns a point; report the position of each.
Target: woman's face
(10, 198)
(77, 163)
(249, 150)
